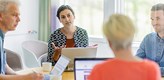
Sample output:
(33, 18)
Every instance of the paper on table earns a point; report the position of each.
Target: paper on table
(60, 66)
(52, 77)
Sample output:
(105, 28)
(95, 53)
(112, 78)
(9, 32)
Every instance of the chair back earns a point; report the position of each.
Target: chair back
(37, 47)
(42, 58)
(32, 50)
(14, 60)
(30, 59)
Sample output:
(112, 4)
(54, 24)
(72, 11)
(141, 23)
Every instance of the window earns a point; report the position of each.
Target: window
(90, 14)
(139, 11)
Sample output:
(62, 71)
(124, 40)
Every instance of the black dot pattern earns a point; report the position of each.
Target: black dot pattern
(59, 39)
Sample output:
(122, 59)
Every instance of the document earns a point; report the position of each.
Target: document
(60, 66)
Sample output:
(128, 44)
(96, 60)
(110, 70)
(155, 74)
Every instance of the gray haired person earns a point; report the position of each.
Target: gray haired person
(9, 19)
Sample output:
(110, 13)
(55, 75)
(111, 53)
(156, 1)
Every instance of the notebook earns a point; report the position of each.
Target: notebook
(60, 66)
(71, 53)
(58, 69)
(83, 66)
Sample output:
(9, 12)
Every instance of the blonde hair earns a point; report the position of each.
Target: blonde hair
(119, 30)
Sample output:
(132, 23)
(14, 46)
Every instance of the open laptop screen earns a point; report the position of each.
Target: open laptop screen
(71, 53)
(83, 66)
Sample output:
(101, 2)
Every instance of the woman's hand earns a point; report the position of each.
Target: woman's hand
(57, 51)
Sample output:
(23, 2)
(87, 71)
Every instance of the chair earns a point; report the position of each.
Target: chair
(14, 60)
(32, 50)
(42, 58)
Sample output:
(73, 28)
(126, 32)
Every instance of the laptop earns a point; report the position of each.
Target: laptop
(71, 53)
(83, 66)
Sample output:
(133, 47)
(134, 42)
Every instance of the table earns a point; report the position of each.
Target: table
(65, 75)
(68, 76)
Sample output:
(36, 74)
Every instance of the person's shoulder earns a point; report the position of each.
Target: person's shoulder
(149, 66)
(150, 36)
(80, 29)
(57, 31)
(152, 68)
(153, 34)
(150, 63)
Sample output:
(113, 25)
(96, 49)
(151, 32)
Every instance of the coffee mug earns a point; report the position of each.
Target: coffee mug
(46, 66)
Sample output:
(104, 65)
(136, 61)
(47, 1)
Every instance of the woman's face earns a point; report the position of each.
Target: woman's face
(66, 17)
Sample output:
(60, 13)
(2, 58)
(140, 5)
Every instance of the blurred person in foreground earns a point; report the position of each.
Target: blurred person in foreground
(152, 47)
(9, 18)
(119, 31)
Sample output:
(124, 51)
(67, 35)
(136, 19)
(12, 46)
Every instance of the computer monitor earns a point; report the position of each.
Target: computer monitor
(71, 53)
(83, 67)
